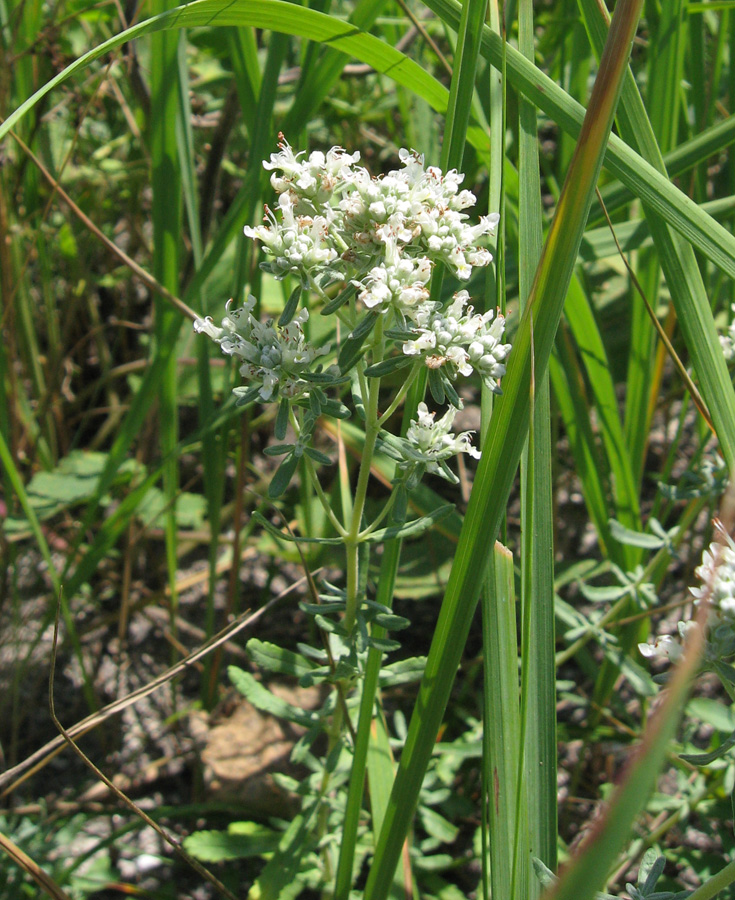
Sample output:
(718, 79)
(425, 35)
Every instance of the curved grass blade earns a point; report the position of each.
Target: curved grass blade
(588, 871)
(633, 171)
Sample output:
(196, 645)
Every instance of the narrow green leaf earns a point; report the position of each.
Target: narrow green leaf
(281, 426)
(388, 366)
(275, 659)
(282, 476)
(289, 310)
(411, 529)
(318, 456)
(262, 699)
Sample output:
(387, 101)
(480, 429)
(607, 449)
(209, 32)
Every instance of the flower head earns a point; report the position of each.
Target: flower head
(460, 340)
(297, 244)
(399, 281)
(430, 443)
(309, 182)
(717, 574)
(273, 357)
(727, 340)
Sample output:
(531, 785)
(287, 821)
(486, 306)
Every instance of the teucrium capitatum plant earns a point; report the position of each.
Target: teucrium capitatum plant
(361, 250)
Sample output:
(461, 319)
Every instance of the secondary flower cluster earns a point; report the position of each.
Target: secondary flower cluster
(717, 575)
(433, 442)
(274, 357)
(460, 340)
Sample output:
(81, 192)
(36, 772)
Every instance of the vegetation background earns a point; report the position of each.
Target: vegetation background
(129, 479)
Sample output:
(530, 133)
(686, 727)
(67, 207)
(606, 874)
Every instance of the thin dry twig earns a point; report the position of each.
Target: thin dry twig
(172, 842)
(137, 270)
(690, 386)
(13, 778)
(44, 881)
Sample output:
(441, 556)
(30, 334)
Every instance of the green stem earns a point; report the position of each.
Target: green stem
(379, 518)
(388, 568)
(352, 539)
(323, 499)
(398, 399)
(714, 885)
(314, 478)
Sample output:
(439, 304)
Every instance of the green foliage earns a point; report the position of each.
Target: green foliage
(119, 451)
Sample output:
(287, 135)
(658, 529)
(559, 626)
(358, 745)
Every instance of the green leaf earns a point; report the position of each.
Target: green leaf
(411, 529)
(262, 699)
(281, 425)
(289, 310)
(437, 826)
(278, 449)
(318, 456)
(240, 841)
(339, 300)
(286, 535)
(282, 476)
(351, 349)
(393, 364)
(335, 409)
(704, 759)
(391, 622)
(635, 538)
(436, 386)
(246, 395)
(276, 659)
(405, 671)
(603, 594)
(328, 378)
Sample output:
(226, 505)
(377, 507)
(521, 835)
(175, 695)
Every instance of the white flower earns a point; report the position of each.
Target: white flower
(399, 281)
(717, 574)
(665, 645)
(416, 206)
(274, 357)
(727, 341)
(312, 181)
(296, 243)
(460, 340)
(430, 442)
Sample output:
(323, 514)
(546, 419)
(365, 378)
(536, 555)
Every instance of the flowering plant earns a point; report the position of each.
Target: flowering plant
(362, 250)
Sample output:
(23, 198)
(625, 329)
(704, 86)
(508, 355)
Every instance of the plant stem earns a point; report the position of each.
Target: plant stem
(372, 427)
(398, 399)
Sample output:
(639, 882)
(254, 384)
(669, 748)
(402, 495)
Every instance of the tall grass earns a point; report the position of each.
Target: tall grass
(559, 275)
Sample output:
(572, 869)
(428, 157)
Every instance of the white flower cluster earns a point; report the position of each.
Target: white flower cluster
(727, 340)
(296, 243)
(431, 442)
(717, 574)
(383, 235)
(460, 340)
(274, 357)
(385, 232)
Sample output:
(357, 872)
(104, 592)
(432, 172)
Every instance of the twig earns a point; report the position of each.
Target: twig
(174, 844)
(18, 774)
(141, 273)
(691, 387)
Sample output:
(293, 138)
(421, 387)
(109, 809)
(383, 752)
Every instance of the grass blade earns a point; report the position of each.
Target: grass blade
(538, 677)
